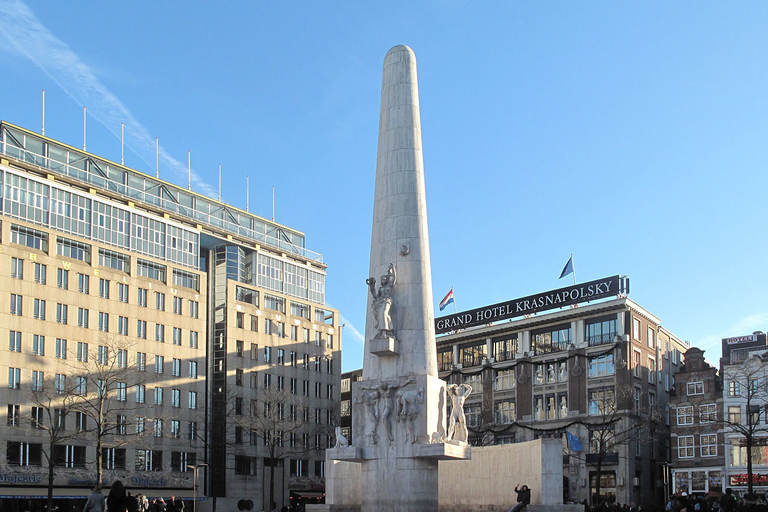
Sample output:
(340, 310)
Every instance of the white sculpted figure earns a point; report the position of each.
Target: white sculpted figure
(408, 409)
(341, 440)
(371, 401)
(387, 392)
(382, 302)
(457, 426)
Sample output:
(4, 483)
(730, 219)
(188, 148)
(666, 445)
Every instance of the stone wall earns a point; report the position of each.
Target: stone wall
(484, 483)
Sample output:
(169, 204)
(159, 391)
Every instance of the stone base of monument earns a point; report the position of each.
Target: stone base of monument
(449, 450)
(385, 346)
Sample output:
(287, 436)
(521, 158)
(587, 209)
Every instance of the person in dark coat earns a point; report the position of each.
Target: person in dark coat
(117, 500)
(523, 498)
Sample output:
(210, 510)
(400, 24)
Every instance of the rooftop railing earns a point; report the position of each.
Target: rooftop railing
(136, 186)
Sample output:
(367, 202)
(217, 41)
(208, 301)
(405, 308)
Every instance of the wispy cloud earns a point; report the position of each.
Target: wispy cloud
(350, 329)
(745, 325)
(24, 33)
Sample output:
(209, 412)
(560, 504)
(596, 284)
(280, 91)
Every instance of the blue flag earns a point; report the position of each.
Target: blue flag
(568, 268)
(573, 442)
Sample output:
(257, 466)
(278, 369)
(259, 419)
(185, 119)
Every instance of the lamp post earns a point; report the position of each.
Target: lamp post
(194, 484)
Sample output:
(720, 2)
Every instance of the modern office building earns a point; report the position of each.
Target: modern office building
(698, 454)
(345, 411)
(597, 373)
(203, 328)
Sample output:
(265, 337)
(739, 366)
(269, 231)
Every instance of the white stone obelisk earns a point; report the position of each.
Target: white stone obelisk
(399, 407)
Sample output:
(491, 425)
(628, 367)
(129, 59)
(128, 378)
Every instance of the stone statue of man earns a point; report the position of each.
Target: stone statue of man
(382, 302)
(457, 426)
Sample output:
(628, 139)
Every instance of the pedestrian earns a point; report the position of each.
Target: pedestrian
(523, 498)
(117, 501)
(179, 504)
(95, 501)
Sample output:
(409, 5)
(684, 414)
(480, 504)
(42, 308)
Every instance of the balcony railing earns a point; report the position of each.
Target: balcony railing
(601, 339)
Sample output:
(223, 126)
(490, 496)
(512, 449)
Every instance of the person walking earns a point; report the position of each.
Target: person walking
(523, 498)
(95, 501)
(117, 500)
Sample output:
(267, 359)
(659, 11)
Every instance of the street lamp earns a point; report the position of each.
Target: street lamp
(194, 484)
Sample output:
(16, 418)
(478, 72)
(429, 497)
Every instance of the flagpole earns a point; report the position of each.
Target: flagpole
(573, 270)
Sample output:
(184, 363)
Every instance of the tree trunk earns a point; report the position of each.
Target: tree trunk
(49, 505)
(599, 467)
(749, 465)
(272, 483)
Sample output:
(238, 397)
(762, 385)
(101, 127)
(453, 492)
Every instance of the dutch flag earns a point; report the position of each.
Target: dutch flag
(447, 300)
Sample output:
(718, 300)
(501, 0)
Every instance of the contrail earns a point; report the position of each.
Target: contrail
(24, 32)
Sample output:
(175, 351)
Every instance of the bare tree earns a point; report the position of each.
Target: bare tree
(102, 377)
(278, 418)
(617, 421)
(747, 381)
(53, 398)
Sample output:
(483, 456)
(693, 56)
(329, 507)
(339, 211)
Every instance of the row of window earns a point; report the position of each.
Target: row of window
(320, 363)
(277, 328)
(707, 414)
(72, 456)
(281, 384)
(707, 446)
(246, 466)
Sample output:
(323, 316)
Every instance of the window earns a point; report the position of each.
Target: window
(121, 391)
(193, 399)
(141, 393)
(602, 401)
(83, 318)
(550, 340)
(177, 336)
(141, 329)
(37, 380)
(29, 237)
(707, 413)
(24, 454)
(39, 312)
(72, 249)
(62, 278)
(636, 365)
(685, 447)
(601, 330)
(176, 367)
(504, 411)
(122, 325)
(471, 354)
(160, 301)
(160, 333)
(280, 356)
(636, 329)
(651, 338)
(61, 348)
(142, 297)
(141, 361)
(37, 417)
(103, 288)
(60, 383)
(601, 366)
(275, 303)
(708, 445)
(62, 313)
(685, 415)
(114, 458)
(159, 362)
(186, 279)
(175, 398)
(158, 396)
(239, 348)
(14, 415)
(84, 283)
(38, 345)
(734, 414)
(41, 273)
(177, 305)
(17, 268)
(14, 378)
(651, 370)
(148, 460)
(14, 342)
(193, 369)
(151, 270)
(695, 388)
(193, 306)
(122, 292)
(104, 322)
(734, 388)
(175, 429)
(192, 339)
(82, 352)
(16, 301)
(81, 387)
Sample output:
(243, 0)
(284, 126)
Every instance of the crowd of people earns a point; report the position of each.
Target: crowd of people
(728, 502)
(121, 500)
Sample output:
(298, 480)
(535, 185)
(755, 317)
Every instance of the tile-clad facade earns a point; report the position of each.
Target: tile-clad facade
(557, 372)
(92, 251)
(697, 440)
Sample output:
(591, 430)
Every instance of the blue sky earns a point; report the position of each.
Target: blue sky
(631, 134)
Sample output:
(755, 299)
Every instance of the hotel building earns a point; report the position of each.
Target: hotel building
(592, 374)
(200, 311)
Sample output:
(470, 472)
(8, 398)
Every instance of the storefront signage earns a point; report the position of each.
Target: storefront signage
(144, 481)
(592, 290)
(740, 339)
(19, 478)
(743, 479)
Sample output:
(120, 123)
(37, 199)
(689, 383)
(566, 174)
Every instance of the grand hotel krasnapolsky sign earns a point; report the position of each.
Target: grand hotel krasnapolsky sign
(592, 290)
